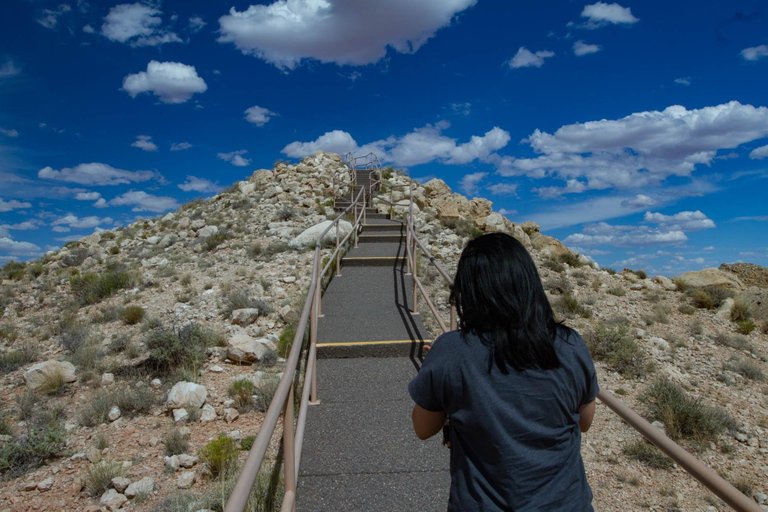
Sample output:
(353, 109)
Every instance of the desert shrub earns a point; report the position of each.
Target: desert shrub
(255, 250)
(241, 390)
(746, 368)
(5, 427)
(764, 327)
(285, 213)
(648, 454)
(107, 313)
(8, 331)
(53, 383)
(464, 228)
(733, 341)
(554, 265)
(45, 437)
(131, 315)
(685, 417)
(686, 309)
(175, 443)
(612, 344)
(658, 315)
(237, 298)
(74, 334)
(266, 392)
(132, 400)
(568, 305)
(91, 288)
(14, 270)
(285, 341)
(35, 269)
(745, 326)
(276, 248)
(100, 475)
(14, 359)
(740, 311)
(215, 240)
(617, 290)
(220, 455)
(570, 259)
(639, 273)
(170, 349)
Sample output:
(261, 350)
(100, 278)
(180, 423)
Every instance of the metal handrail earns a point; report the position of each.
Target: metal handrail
(693, 466)
(283, 400)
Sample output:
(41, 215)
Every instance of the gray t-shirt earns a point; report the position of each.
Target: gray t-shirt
(515, 437)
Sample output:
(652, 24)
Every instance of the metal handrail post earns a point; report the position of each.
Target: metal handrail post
(453, 318)
(289, 453)
(313, 348)
(338, 253)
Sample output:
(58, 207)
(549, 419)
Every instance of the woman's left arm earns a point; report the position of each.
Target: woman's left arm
(427, 423)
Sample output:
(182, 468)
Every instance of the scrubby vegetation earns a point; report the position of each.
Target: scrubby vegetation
(43, 438)
(182, 348)
(131, 400)
(91, 288)
(220, 455)
(612, 344)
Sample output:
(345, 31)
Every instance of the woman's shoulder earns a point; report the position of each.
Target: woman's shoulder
(452, 344)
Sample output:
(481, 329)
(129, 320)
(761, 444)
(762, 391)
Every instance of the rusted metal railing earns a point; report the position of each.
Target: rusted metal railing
(283, 402)
(704, 474)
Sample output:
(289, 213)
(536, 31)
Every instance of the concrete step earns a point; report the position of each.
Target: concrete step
(373, 261)
(381, 237)
(393, 226)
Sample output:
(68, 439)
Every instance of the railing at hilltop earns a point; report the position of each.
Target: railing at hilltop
(369, 162)
(703, 473)
(284, 399)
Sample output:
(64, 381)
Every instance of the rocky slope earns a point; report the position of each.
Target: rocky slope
(129, 346)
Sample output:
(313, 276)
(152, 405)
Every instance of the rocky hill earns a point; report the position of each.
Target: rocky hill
(135, 362)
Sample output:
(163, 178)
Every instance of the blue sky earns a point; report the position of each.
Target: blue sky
(637, 132)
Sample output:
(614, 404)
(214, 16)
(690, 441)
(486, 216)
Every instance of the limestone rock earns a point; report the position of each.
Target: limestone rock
(207, 231)
(45, 485)
(309, 236)
(245, 316)
(114, 413)
(185, 480)
(107, 379)
(39, 373)
(187, 461)
(231, 415)
(112, 499)
(186, 394)
(712, 277)
(120, 483)
(208, 413)
(436, 188)
(180, 415)
(243, 349)
(144, 486)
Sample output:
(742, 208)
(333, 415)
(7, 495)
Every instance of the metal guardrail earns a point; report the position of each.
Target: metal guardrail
(284, 398)
(693, 466)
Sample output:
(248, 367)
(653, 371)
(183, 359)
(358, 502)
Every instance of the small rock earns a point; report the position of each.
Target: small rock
(40, 373)
(107, 379)
(245, 316)
(93, 454)
(180, 415)
(187, 461)
(186, 394)
(216, 369)
(112, 499)
(144, 486)
(231, 415)
(156, 383)
(741, 437)
(120, 483)
(660, 343)
(185, 480)
(289, 279)
(172, 462)
(208, 413)
(235, 435)
(114, 413)
(45, 485)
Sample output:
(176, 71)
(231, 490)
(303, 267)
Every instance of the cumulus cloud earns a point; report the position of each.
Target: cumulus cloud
(195, 184)
(96, 174)
(7, 206)
(13, 248)
(258, 115)
(196, 23)
(601, 13)
(639, 201)
(638, 150)
(172, 82)
(682, 221)
(87, 196)
(285, 32)
(72, 221)
(8, 69)
(503, 189)
(144, 143)
(137, 25)
(755, 52)
(236, 158)
(759, 153)
(180, 146)
(9, 132)
(50, 17)
(471, 182)
(580, 48)
(525, 58)
(683, 80)
(422, 145)
(27, 225)
(89, 29)
(143, 202)
(618, 235)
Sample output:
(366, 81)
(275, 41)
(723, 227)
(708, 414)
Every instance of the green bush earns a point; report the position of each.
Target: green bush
(45, 438)
(709, 297)
(35, 269)
(733, 341)
(132, 400)
(100, 475)
(613, 345)
(746, 368)
(241, 390)
(14, 270)
(131, 315)
(686, 309)
(617, 291)
(220, 455)
(74, 334)
(91, 288)
(568, 306)
(685, 417)
(14, 359)
(247, 443)
(745, 326)
(175, 443)
(182, 348)
(215, 240)
(570, 259)
(740, 311)
(285, 342)
(648, 454)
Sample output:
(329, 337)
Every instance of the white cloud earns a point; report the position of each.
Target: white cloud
(471, 182)
(601, 13)
(683, 80)
(617, 235)
(9, 132)
(100, 203)
(172, 82)
(87, 196)
(236, 158)
(72, 221)
(137, 25)
(639, 150)
(422, 145)
(14, 248)
(506, 211)
(196, 23)
(9, 69)
(755, 52)
(27, 225)
(580, 48)
(89, 29)
(144, 143)
(180, 146)
(50, 17)
(356, 33)
(96, 174)
(524, 58)
(503, 189)
(193, 183)
(7, 206)
(683, 221)
(258, 115)
(759, 153)
(143, 202)
(462, 108)
(639, 201)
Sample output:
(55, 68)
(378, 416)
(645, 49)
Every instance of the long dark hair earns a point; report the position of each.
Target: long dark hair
(499, 296)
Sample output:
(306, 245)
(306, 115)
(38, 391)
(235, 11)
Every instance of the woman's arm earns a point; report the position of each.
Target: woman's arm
(427, 423)
(587, 413)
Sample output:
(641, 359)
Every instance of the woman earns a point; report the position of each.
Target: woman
(518, 388)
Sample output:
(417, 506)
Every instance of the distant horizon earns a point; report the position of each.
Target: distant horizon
(634, 132)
